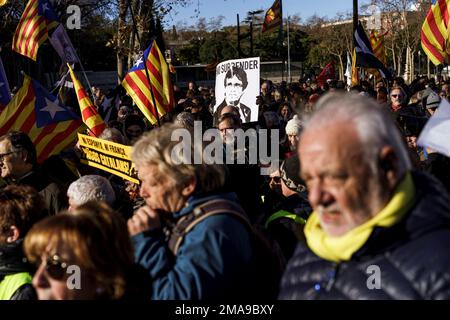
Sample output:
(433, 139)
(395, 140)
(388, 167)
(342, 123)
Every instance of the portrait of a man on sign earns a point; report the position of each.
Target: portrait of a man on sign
(235, 81)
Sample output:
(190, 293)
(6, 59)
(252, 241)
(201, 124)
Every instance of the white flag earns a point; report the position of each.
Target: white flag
(62, 44)
(348, 70)
(436, 133)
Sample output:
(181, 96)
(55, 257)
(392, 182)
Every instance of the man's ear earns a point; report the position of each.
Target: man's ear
(189, 188)
(13, 234)
(23, 155)
(388, 164)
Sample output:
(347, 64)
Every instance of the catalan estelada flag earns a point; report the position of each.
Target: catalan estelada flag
(377, 42)
(435, 32)
(33, 110)
(273, 17)
(89, 113)
(137, 85)
(36, 21)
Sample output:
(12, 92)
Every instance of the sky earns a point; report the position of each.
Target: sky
(229, 9)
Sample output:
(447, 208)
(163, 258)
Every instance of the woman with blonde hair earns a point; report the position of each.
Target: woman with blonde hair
(85, 254)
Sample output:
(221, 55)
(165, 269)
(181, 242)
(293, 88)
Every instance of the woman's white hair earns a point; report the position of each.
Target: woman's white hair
(374, 125)
(91, 187)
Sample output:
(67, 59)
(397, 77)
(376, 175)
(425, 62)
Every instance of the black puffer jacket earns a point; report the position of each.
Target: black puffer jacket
(413, 257)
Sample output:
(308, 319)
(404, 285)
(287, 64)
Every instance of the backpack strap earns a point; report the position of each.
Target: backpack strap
(200, 213)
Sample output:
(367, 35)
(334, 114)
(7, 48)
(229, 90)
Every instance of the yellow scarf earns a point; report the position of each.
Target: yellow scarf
(342, 248)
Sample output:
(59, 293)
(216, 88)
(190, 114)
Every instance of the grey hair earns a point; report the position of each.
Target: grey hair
(185, 119)
(158, 147)
(113, 135)
(404, 95)
(374, 125)
(91, 187)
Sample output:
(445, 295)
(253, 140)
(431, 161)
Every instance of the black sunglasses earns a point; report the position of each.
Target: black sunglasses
(55, 267)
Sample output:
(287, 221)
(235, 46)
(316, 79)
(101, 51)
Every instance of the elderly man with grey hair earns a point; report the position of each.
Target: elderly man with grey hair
(379, 230)
(90, 188)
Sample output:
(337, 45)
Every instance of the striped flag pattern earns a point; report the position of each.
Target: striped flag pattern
(32, 110)
(377, 42)
(89, 113)
(137, 86)
(36, 21)
(5, 93)
(434, 35)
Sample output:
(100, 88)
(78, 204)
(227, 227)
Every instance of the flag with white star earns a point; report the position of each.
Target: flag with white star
(51, 126)
(137, 85)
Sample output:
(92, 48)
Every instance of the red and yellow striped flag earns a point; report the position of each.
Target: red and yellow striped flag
(32, 110)
(89, 113)
(34, 25)
(137, 86)
(377, 42)
(435, 32)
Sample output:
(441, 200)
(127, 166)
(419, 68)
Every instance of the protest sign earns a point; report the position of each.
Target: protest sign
(237, 84)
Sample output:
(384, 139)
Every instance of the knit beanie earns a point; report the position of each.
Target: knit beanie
(433, 100)
(294, 126)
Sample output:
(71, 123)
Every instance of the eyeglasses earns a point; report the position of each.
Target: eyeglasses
(2, 155)
(55, 267)
(276, 179)
(396, 95)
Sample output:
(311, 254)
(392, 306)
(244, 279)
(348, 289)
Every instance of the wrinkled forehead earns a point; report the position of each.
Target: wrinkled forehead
(338, 142)
(5, 145)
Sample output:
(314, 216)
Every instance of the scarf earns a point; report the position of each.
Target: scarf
(342, 248)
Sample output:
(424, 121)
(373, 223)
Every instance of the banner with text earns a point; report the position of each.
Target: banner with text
(237, 84)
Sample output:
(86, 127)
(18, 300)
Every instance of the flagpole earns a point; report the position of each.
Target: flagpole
(355, 26)
(289, 50)
(147, 74)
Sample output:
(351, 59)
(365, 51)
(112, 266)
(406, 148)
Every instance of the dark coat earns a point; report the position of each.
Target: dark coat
(413, 257)
(54, 194)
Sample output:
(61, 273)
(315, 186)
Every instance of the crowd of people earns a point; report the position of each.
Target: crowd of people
(352, 191)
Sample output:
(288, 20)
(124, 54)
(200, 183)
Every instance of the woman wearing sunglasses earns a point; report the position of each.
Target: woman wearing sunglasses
(85, 254)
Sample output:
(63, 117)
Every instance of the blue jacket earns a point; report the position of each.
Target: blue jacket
(212, 263)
